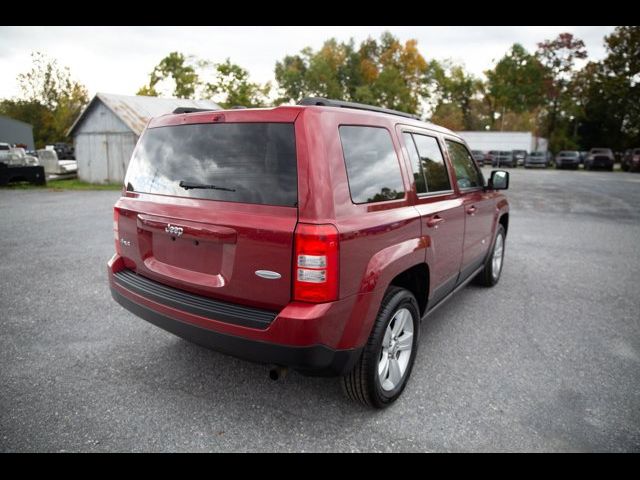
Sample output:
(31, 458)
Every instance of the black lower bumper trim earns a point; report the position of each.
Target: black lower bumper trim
(188, 302)
(313, 360)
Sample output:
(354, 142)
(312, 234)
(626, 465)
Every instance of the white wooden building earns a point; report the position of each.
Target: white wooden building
(106, 132)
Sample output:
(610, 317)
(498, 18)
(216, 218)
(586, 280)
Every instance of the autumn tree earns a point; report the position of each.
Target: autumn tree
(383, 72)
(558, 57)
(50, 100)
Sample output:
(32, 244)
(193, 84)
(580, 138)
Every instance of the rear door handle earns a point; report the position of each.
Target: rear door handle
(472, 210)
(433, 222)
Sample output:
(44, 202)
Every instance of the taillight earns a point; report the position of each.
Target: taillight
(315, 272)
(116, 235)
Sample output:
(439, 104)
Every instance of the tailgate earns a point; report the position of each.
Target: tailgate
(212, 209)
(210, 248)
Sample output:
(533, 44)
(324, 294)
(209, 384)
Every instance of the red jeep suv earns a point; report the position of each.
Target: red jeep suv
(314, 236)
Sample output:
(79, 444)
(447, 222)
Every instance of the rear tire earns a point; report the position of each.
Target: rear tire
(490, 274)
(393, 339)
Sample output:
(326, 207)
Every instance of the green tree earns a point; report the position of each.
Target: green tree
(232, 82)
(330, 72)
(517, 83)
(455, 90)
(176, 67)
(608, 93)
(51, 100)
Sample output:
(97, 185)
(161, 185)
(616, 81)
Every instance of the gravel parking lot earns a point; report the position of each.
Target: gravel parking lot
(548, 360)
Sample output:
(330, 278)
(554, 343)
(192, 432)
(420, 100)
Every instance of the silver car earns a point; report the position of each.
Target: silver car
(568, 159)
(537, 159)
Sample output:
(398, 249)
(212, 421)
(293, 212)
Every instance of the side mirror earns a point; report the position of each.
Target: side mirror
(499, 180)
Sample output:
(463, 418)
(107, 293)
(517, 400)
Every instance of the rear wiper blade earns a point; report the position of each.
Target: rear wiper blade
(191, 185)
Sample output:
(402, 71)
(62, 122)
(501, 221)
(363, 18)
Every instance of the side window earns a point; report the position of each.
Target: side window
(433, 164)
(416, 167)
(467, 175)
(372, 165)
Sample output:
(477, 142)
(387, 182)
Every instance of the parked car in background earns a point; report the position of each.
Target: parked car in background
(520, 156)
(64, 151)
(4, 151)
(322, 256)
(17, 166)
(503, 158)
(488, 158)
(631, 160)
(537, 159)
(599, 158)
(568, 159)
(478, 156)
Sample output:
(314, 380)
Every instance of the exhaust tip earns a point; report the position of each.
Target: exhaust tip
(277, 372)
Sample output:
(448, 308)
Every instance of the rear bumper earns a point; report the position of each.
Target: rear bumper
(601, 162)
(313, 360)
(312, 338)
(567, 163)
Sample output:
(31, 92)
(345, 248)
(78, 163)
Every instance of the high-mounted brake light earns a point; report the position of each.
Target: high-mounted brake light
(116, 233)
(315, 271)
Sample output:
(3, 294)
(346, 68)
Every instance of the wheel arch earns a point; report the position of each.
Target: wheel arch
(416, 279)
(504, 221)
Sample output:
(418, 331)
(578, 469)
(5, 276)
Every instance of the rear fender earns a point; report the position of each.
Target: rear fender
(382, 268)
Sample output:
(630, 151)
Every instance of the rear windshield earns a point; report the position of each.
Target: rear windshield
(505, 154)
(604, 151)
(236, 162)
(568, 154)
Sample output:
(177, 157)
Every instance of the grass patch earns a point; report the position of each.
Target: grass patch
(75, 184)
(67, 184)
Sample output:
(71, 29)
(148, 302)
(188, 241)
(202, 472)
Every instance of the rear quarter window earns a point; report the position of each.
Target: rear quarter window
(373, 169)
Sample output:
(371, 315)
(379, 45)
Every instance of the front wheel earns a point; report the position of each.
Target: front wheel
(379, 377)
(490, 274)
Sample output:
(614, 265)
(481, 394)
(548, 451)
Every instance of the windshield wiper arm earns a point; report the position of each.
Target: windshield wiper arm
(191, 185)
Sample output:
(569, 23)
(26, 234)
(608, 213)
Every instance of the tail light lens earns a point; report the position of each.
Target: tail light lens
(116, 235)
(315, 273)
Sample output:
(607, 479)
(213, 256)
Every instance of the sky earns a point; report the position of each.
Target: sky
(119, 59)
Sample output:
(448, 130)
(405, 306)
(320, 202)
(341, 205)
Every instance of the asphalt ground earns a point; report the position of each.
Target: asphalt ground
(548, 360)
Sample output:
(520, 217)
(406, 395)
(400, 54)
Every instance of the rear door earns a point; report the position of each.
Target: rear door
(209, 208)
(478, 204)
(441, 211)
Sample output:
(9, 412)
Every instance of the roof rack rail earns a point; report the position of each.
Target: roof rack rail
(193, 109)
(328, 102)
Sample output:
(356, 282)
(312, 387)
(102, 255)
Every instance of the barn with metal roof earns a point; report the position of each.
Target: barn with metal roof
(106, 132)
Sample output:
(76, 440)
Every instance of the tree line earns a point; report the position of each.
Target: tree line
(542, 91)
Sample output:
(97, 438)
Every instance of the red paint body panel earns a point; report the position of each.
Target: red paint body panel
(222, 244)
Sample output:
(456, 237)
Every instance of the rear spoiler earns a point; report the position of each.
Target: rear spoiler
(193, 110)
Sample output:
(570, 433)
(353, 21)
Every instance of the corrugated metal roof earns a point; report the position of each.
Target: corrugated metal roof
(136, 111)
